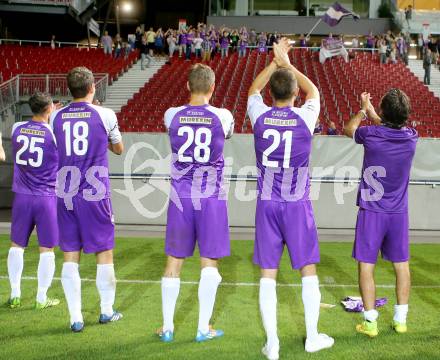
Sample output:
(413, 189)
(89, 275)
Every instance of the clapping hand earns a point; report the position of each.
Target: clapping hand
(366, 102)
(281, 51)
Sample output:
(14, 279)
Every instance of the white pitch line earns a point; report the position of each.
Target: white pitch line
(248, 284)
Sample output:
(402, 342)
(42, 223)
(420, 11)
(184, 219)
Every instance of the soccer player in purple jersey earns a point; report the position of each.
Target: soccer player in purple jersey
(84, 132)
(284, 215)
(382, 223)
(197, 210)
(34, 151)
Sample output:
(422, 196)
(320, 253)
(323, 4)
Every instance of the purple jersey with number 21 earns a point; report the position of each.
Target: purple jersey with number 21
(284, 215)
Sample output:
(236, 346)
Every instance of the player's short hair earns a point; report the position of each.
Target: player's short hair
(79, 81)
(283, 84)
(396, 107)
(200, 79)
(39, 102)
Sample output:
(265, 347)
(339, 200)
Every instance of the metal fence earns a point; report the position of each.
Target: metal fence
(8, 94)
(23, 86)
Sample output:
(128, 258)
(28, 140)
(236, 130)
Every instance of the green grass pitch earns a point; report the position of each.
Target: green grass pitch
(29, 334)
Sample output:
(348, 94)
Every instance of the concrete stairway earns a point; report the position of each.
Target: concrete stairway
(416, 66)
(128, 84)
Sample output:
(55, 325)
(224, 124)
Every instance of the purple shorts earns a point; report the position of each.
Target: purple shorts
(384, 232)
(29, 211)
(285, 223)
(89, 226)
(208, 226)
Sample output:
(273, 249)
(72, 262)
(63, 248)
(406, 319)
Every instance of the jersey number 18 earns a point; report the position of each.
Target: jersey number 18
(79, 131)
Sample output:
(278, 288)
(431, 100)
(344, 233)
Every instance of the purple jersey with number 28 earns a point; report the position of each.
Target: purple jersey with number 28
(197, 211)
(197, 137)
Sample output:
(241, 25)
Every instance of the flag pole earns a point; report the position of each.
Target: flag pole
(313, 28)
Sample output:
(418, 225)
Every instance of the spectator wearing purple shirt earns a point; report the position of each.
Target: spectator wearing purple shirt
(224, 44)
(107, 43)
(332, 128)
(189, 44)
(242, 45)
(182, 42)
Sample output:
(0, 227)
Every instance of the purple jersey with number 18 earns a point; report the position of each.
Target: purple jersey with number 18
(83, 132)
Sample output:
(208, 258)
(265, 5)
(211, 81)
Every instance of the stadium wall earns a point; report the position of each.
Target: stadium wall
(336, 164)
(301, 24)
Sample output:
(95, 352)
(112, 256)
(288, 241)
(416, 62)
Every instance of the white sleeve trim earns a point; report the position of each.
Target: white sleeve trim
(16, 125)
(50, 130)
(169, 115)
(110, 122)
(226, 119)
(309, 112)
(256, 107)
(53, 115)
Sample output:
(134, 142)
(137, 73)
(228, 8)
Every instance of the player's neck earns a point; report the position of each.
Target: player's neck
(280, 104)
(40, 119)
(86, 99)
(199, 100)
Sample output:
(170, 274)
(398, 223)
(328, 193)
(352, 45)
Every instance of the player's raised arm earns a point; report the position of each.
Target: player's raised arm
(262, 79)
(2, 151)
(281, 51)
(355, 121)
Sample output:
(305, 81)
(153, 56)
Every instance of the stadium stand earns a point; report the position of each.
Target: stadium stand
(16, 59)
(340, 85)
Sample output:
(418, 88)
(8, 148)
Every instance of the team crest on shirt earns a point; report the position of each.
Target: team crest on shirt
(279, 122)
(195, 120)
(76, 115)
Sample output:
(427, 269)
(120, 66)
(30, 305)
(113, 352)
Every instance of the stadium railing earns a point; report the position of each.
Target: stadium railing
(45, 42)
(235, 178)
(9, 94)
(21, 86)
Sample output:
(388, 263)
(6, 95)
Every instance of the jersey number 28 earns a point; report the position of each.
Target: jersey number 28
(201, 137)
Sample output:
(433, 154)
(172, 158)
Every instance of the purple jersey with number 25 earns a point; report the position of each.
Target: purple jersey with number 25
(35, 158)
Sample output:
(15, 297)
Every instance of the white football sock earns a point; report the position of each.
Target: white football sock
(400, 313)
(46, 270)
(106, 284)
(15, 268)
(371, 315)
(268, 309)
(170, 293)
(209, 281)
(72, 289)
(311, 297)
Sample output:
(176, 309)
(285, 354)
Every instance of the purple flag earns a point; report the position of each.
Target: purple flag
(335, 13)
